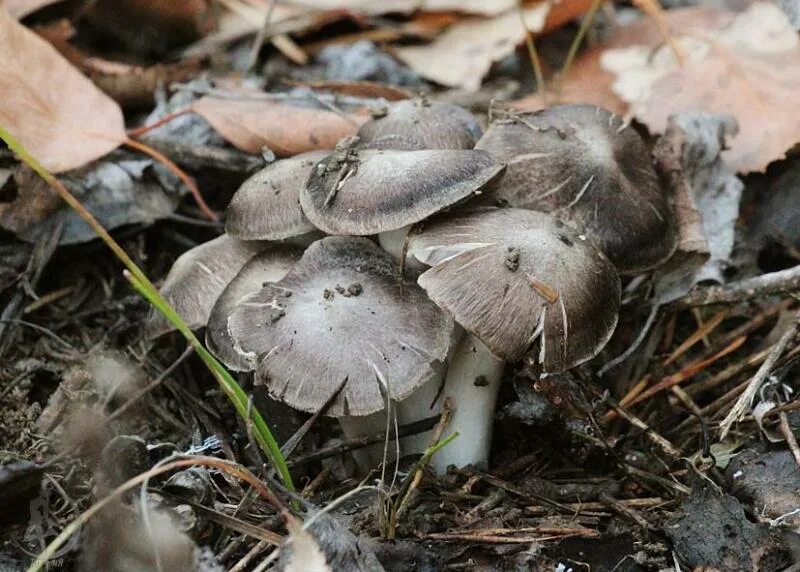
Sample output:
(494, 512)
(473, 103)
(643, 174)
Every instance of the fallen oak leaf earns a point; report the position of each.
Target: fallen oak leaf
(49, 106)
(252, 124)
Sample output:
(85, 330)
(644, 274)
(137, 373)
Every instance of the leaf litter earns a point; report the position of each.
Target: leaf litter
(627, 472)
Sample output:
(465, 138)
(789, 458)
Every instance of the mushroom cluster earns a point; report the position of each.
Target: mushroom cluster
(370, 275)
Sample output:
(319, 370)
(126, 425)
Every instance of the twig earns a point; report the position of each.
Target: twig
(586, 22)
(686, 373)
(657, 439)
(291, 444)
(536, 63)
(788, 434)
(581, 507)
(781, 282)
(514, 535)
(625, 510)
(149, 387)
(198, 157)
(745, 401)
(177, 171)
(363, 441)
(261, 35)
(651, 318)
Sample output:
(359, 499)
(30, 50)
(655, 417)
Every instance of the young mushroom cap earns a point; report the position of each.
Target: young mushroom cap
(267, 205)
(340, 319)
(583, 164)
(196, 280)
(368, 191)
(425, 124)
(270, 265)
(512, 276)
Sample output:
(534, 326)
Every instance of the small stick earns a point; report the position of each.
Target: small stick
(687, 372)
(177, 171)
(780, 282)
(363, 441)
(657, 439)
(122, 409)
(791, 440)
(625, 510)
(579, 507)
(745, 401)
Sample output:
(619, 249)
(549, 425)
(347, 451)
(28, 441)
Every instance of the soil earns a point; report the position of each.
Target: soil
(579, 479)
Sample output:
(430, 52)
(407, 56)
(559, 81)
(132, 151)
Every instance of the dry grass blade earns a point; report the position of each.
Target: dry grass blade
(745, 401)
(240, 472)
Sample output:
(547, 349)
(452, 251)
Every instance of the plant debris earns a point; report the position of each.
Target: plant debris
(459, 329)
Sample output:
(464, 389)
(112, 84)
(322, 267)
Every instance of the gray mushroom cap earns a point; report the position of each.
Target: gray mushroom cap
(197, 278)
(425, 124)
(583, 164)
(270, 265)
(267, 205)
(514, 276)
(361, 192)
(339, 317)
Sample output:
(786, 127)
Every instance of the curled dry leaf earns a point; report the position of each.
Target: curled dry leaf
(706, 194)
(56, 113)
(120, 192)
(252, 124)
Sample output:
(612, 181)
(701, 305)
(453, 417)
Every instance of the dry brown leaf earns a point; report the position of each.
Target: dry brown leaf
(287, 130)
(748, 67)
(746, 64)
(54, 111)
(464, 53)
(21, 8)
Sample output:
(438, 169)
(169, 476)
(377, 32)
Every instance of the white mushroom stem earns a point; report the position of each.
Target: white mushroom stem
(420, 405)
(393, 241)
(472, 383)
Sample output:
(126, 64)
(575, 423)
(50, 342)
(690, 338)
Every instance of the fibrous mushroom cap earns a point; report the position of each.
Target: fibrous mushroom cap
(583, 164)
(512, 276)
(196, 280)
(339, 317)
(363, 192)
(267, 205)
(270, 265)
(430, 125)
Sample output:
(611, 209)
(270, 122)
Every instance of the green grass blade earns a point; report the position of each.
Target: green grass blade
(140, 282)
